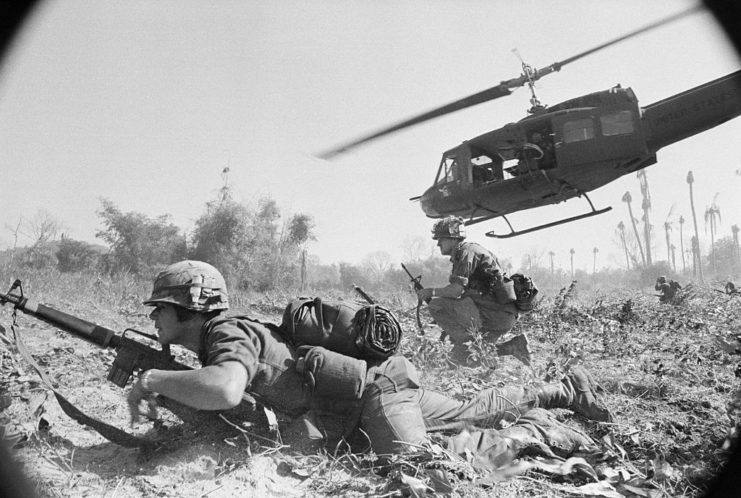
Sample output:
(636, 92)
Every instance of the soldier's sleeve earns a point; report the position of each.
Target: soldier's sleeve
(233, 340)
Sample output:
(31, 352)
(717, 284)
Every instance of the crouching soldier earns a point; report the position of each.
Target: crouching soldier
(472, 300)
(668, 289)
(377, 397)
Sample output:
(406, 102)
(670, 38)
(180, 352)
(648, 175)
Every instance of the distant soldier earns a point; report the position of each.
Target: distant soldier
(475, 297)
(668, 289)
(731, 289)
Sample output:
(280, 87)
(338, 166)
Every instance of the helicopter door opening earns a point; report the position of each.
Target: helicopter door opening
(486, 167)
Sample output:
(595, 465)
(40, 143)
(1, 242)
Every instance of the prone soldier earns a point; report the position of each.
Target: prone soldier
(376, 395)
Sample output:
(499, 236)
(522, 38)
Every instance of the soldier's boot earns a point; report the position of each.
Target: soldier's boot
(517, 347)
(578, 392)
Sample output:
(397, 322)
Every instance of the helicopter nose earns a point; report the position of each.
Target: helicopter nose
(425, 202)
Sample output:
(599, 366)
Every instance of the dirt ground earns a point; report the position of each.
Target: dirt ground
(670, 373)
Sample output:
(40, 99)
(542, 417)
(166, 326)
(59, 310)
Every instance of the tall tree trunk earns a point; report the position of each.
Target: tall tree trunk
(627, 199)
(690, 181)
(681, 242)
(646, 206)
(572, 263)
(621, 229)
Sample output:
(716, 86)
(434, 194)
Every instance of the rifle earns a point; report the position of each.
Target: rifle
(131, 355)
(416, 282)
(364, 295)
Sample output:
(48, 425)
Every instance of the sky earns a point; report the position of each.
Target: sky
(145, 103)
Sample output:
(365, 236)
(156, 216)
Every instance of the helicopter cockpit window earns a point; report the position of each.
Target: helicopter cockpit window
(578, 130)
(617, 123)
(449, 171)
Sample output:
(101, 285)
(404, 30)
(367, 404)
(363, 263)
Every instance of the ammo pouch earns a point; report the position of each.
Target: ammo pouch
(491, 282)
(331, 375)
(525, 292)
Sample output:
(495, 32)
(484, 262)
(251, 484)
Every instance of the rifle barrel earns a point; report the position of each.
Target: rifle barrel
(89, 331)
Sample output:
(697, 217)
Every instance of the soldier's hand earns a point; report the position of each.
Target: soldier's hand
(425, 294)
(138, 397)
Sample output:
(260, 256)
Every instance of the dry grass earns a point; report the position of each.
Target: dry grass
(672, 389)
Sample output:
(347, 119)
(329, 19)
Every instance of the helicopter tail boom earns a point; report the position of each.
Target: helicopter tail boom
(693, 111)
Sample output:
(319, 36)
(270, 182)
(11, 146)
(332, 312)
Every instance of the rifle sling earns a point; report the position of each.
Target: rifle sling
(111, 433)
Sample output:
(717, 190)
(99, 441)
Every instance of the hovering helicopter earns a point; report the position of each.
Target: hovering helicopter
(563, 151)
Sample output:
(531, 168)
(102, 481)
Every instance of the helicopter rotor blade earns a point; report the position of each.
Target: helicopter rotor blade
(501, 90)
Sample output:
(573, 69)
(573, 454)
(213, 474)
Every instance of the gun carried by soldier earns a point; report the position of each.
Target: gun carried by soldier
(416, 281)
(131, 356)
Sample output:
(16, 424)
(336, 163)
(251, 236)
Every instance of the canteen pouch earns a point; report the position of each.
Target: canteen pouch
(331, 375)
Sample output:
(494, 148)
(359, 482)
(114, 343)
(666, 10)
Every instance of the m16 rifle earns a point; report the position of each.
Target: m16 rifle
(417, 283)
(131, 356)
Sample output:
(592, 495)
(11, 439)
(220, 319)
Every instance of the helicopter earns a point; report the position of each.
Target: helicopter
(563, 151)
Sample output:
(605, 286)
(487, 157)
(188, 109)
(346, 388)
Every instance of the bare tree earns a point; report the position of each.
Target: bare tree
(734, 231)
(377, 263)
(417, 248)
(696, 243)
(550, 255)
(627, 198)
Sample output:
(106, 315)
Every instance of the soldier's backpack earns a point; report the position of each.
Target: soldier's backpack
(331, 324)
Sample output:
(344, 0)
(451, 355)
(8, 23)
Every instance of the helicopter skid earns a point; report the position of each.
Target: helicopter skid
(514, 233)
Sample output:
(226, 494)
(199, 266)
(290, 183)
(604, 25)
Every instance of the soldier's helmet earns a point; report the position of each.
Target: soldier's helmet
(661, 279)
(192, 285)
(450, 226)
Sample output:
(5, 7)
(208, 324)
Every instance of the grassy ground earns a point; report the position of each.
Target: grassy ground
(669, 382)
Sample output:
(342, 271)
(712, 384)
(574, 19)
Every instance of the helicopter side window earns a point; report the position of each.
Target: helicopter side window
(578, 130)
(617, 123)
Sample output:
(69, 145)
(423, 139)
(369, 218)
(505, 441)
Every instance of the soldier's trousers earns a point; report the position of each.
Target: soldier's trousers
(395, 413)
(458, 317)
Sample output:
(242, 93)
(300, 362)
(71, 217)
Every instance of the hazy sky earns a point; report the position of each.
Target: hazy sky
(145, 103)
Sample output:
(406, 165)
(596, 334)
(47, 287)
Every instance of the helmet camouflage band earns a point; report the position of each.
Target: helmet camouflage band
(450, 226)
(192, 285)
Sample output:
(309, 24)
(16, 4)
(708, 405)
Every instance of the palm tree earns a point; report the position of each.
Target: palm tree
(696, 244)
(646, 206)
(571, 251)
(710, 213)
(627, 198)
(668, 228)
(681, 242)
(594, 261)
(551, 254)
(621, 233)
